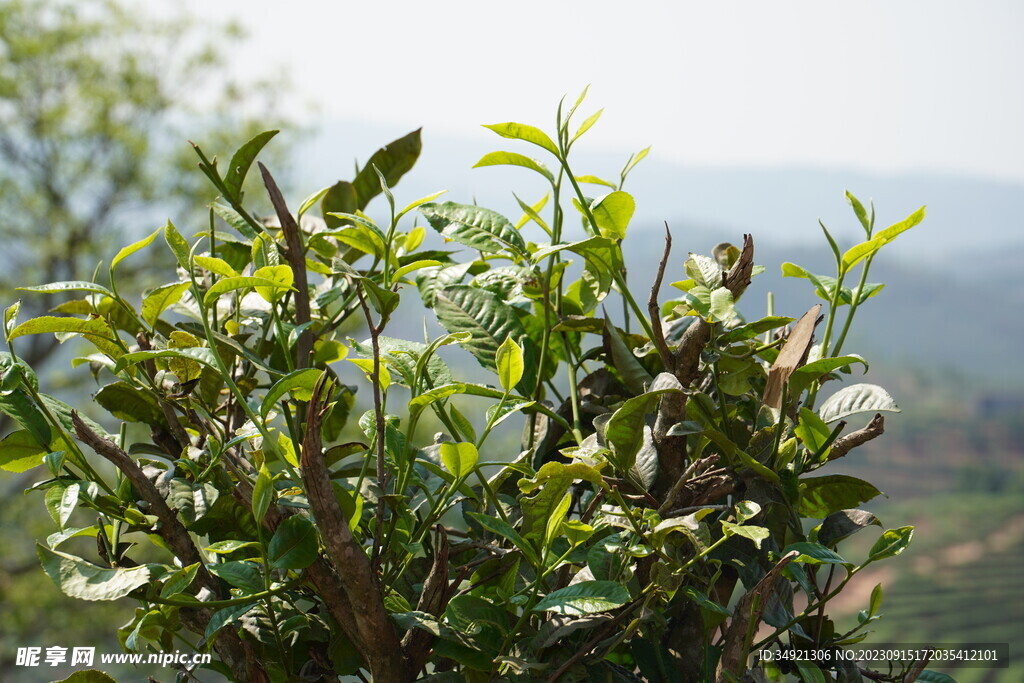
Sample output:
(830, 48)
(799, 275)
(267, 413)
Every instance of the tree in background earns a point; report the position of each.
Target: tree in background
(94, 99)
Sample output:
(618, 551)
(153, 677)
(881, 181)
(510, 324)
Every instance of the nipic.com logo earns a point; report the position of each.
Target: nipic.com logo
(86, 656)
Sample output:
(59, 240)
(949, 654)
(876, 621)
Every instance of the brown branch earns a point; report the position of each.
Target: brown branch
(381, 647)
(738, 277)
(433, 600)
(655, 310)
(845, 444)
(295, 253)
(746, 617)
(235, 653)
(791, 357)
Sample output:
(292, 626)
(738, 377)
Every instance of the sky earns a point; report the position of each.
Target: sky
(873, 86)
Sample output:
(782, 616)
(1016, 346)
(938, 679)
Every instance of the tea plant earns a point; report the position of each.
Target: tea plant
(657, 522)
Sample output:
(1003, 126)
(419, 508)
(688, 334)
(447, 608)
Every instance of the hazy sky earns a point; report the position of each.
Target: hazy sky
(874, 85)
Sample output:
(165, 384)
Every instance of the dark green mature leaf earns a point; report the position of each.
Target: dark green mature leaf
(506, 531)
(340, 198)
(821, 496)
(402, 357)
(80, 579)
(585, 597)
(802, 377)
(393, 161)
(488, 320)
(625, 430)
(179, 580)
(751, 330)
(929, 676)
(128, 403)
(242, 160)
(857, 398)
(244, 575)
(294, 545)
(225, 617)
(892, 543)
(843, 524)
(475, 227)
(20, 451)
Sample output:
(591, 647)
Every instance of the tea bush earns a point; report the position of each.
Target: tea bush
(657, 522)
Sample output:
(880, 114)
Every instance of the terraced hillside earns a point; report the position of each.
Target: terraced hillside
(960, 581)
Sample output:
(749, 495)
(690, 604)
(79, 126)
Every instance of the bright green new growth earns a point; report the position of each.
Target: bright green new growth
(656, 515)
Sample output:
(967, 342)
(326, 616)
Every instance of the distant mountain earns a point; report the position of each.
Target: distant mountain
(953, 292)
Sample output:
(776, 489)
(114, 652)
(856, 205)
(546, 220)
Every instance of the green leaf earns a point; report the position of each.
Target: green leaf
(475, 227)
(156, 301)
(802, 377)
(262, 494)
(294, 545)
(229, 546)
(612, 212)
(814, 553)
(393, 161)
(812, 431)
(821, 496)
(69, 286)
(96, 327)
(858, 209)
(20, 452)
(132, 248)
(85, 581)
(459, 458)
(809, 672)
(626, 427)
(519, 131)
(419, 202)
(585, 597)
(751, 330)
(856, 398)
(299, 384)
(587, 124)
(757, 534)
(488, 320)
(340, 199)
(179, 580)
(215, 265)
(929, 676)
(178, 245)
(230, 284)
(128, 403)
(892, 543)
(244, 575)
(200, 355)
(506, 531)
(842, 524)
(594, 180)
(509, 360)
(412, 267)
(281, 274)
(514, 159)
(550, 483)
(722, 304)
(858, 253)
(226, 617)
(242, 160)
